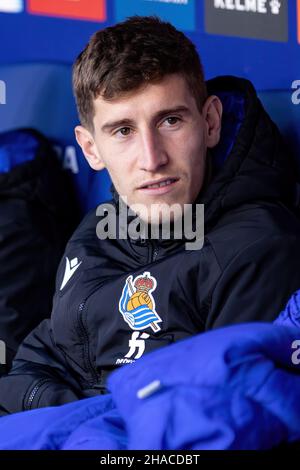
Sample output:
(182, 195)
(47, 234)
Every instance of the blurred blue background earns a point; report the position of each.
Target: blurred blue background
(269, 64)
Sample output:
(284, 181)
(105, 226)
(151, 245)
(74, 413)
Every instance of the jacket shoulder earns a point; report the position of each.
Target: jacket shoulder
(253, 224)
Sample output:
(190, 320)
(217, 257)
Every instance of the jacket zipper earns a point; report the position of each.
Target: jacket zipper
(155, 253)
(89, 365)
(33, 393)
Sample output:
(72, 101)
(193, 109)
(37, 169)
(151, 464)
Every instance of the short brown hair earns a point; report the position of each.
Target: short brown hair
(123, 57)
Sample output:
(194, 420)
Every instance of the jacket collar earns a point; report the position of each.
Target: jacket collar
(160, 240)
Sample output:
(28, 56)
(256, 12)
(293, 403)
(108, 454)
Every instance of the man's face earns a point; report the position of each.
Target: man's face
(153, 142)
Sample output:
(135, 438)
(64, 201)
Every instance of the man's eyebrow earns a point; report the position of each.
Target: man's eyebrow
(108, 126)
(175, 109)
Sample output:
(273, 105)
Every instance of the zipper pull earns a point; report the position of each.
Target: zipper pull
(155, 253)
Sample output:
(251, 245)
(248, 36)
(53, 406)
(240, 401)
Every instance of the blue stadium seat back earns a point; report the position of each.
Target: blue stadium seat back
(39, 95)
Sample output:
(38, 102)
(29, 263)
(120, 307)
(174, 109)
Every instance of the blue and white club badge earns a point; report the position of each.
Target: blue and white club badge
(137, 304)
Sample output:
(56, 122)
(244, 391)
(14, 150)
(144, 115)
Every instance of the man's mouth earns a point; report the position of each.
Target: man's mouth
(159, 184)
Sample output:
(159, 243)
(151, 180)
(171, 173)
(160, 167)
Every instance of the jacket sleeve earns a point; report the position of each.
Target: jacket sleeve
(42, 373)
(257, 283)
(39, 377)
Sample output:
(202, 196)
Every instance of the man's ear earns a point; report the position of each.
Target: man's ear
(212, 113)
(87, 143)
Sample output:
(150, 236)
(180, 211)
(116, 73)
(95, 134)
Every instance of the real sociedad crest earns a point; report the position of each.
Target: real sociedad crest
(137, 304)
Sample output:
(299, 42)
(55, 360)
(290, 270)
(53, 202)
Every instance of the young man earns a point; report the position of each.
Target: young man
(148, 117)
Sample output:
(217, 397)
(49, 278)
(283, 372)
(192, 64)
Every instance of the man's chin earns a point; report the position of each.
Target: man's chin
(158, 214)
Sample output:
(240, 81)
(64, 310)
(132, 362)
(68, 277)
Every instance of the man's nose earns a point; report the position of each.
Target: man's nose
(152, 154)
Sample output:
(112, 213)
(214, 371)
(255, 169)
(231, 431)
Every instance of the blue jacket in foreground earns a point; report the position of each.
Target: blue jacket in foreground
(240, 390)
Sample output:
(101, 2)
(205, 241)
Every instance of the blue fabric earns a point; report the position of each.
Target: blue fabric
(231, 388)
(68, 426)
(227, 389)
(16, 147)
(291, 314)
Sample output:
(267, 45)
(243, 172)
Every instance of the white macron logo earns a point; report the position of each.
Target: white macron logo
(71, 267)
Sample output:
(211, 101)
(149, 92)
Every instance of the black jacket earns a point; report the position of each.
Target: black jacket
(35, 225)
(246, 271)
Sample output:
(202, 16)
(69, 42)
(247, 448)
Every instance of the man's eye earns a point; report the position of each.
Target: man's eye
(124, 131)
(172, 120)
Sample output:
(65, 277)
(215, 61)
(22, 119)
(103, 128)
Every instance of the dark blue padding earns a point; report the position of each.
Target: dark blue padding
(286, 114)
(16, 147)
(232, 119)
(278, 104)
